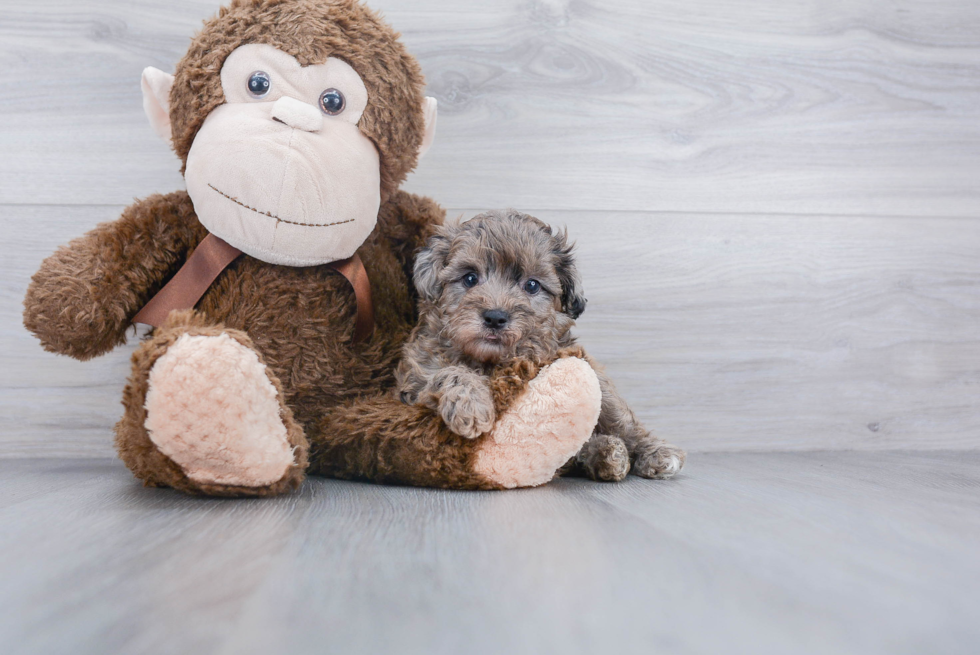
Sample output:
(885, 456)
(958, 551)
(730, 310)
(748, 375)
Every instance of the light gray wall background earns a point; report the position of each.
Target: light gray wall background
(777, 204)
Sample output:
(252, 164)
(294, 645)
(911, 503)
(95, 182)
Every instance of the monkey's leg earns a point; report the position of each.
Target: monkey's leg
(204, 415)
(545, 416)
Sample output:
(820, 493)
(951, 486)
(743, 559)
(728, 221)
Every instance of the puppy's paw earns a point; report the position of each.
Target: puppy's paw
(605, 458)
(467, 409)
(656, 459)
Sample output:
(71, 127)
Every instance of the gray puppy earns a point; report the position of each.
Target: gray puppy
(500, 286)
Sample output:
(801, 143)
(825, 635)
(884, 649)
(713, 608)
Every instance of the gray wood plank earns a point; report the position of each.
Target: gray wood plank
(746, 553)
(723, 332)
(109, 592)
(757, 333)
(850, 108)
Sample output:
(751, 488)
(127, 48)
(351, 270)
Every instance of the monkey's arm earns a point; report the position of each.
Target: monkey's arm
(84, 296)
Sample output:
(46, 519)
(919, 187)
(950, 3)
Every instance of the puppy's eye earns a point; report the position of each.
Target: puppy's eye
(470, 280)
(532, 286)
(332, 102)
(259, 84)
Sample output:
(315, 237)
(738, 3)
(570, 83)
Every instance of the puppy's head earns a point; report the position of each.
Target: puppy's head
(500, 284)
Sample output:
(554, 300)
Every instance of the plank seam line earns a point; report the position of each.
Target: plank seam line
(651, 212)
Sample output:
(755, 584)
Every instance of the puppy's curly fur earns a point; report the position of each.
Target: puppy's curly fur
(497, 291)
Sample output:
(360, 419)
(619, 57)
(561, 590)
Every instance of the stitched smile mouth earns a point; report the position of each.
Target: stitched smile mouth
(271, 215)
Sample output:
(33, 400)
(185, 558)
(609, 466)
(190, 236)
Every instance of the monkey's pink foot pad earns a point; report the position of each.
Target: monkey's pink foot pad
(544, 428)
(214, 412)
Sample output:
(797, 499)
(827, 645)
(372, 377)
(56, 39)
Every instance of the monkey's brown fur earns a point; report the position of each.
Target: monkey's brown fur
(299, 320)
(451, 362)
(370, 442)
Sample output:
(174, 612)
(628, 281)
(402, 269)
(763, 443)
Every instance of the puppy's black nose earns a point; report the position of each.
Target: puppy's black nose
(495, 318)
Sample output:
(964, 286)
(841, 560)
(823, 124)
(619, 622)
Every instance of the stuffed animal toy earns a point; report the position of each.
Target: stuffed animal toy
(279, 284)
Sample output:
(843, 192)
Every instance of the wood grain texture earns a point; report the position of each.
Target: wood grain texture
(759, 191)
(749, 553)
(723, 332)
(778, 220)
(756, 333)
(792, 107)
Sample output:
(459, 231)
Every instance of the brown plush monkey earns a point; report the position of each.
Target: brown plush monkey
(296, 121)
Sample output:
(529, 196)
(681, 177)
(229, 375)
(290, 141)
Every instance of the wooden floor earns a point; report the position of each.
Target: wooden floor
(823, 552)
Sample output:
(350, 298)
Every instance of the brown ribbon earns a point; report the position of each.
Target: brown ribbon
(213, 255)
(352, 268)
(184, 289)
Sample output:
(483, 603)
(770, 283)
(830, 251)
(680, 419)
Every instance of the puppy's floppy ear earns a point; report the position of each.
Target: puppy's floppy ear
(572, 300)
(430, 261)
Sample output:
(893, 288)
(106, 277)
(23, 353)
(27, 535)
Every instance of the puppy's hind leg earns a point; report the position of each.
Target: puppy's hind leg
(604, 458)
(656, 459)
(650, 456)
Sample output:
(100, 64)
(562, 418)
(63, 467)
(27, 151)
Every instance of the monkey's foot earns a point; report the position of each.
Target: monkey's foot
(212, 409)
(544, 427)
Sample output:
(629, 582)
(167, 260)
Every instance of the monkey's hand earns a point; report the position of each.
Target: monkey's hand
(84, 296)
(465, 401)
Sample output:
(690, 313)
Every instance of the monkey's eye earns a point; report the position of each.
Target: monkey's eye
(259, 84)
(532, 286)
(470, 280)
(332, 102)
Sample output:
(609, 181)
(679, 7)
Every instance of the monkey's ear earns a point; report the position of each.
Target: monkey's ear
(156, 100)
(430, 109)
(430, 261)
(572, 300)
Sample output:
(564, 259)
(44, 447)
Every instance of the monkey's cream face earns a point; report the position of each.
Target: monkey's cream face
(281, 170)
